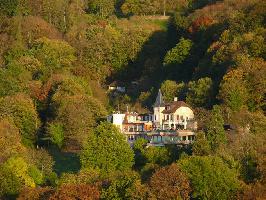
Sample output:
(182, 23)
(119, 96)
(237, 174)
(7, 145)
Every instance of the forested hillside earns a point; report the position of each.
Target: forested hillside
(57, 58)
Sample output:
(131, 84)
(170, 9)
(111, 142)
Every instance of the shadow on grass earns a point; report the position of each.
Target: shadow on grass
(65, 162)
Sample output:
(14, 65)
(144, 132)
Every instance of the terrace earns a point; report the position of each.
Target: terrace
(171, 137)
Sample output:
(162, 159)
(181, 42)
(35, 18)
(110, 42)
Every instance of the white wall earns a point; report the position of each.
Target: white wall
(185, 112)
(159, 115)
(117, 120)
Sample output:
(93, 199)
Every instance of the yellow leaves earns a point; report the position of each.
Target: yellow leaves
(29, 63)
(22, 110)
(10, 139)
(234, 74)
(246, 82)
(113, 32)
(20, 169)
(54, 53)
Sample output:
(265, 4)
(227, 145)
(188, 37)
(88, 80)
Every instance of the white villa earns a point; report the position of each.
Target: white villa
(174, 115)
(170, 123)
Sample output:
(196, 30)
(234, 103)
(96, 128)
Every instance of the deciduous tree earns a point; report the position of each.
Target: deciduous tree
(179, 53)
(200, 92)
(169, 183)
(107, 150)
(209, 176)
(21, 108)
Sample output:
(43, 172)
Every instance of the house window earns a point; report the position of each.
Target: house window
(177, 117)
(172, 117)
(155, 117)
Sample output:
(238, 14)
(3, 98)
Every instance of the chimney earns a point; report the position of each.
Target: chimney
(175, 99)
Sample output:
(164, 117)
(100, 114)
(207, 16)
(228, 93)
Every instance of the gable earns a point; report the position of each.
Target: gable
(174, 106)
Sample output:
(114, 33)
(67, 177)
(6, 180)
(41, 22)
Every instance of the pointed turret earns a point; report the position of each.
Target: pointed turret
(159, 102)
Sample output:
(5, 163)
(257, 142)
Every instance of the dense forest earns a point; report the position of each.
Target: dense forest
(57, 58)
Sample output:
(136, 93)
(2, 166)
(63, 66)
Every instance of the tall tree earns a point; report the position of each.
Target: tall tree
(169, 183)
(201, 146)
(210, 177)
(200, 92)
(171, 89)
(179, 53)
(103, 8)
(215, 131)
(107, 150)
(22, 109)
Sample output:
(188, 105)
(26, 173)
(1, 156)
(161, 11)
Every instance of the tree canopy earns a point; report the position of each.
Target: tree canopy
(107, 156)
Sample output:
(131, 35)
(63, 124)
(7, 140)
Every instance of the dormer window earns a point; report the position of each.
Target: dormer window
(168, 107)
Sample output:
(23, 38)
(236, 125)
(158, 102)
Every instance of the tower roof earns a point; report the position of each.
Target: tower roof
(159, 102)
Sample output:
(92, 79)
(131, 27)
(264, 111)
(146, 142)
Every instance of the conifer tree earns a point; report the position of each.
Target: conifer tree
(215, 131)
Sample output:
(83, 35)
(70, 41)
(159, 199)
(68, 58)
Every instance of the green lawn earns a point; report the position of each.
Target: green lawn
(161, 22)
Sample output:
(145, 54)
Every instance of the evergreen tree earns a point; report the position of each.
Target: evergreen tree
(201, 145)
(215, 131)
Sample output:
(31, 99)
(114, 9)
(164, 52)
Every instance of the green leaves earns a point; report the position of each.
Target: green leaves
(21, 108)
(56, 133)
(179, 53)
(78, 114)
(17, 173)
(200, 92)
(9, 7)
(244, 86)
(210, 177)
(171, 89)
(201, 146)
(215, 131)
(120, 186)
(103, 8)
(54, 54)
(107, 150)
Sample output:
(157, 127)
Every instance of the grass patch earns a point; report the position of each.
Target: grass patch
(161, 22)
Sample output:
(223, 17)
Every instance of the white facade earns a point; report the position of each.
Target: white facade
(117, 119)
(158, 116)
(183, 116)
(186, 112)
(121, 89)
(169, 123)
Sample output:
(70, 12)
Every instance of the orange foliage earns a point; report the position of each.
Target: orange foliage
(250, 192)
(215, 46)
(35, 27)
(35, 193)
(202, 21)
(10, 139)
(39, 91)
(169, 183)
(65, 192)
(73, 192)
